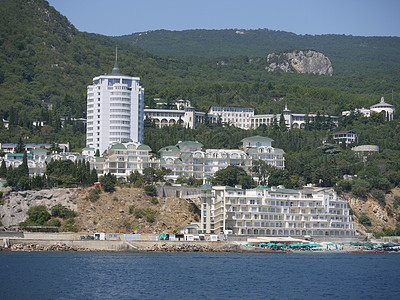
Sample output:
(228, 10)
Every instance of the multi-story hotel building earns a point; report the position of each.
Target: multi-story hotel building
(115, 104)
(234, 115)
(189, 160)
(295, 121)
(121, 159)
(274, 212)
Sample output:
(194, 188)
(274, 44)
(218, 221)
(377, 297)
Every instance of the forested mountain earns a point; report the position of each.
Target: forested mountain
(349, 54)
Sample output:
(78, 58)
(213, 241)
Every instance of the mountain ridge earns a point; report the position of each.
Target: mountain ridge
(261, 42)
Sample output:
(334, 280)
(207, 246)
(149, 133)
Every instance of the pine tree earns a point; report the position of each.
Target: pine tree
(3, 169)
(20, 146)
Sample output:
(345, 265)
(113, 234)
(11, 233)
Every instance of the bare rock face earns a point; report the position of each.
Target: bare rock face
(309, 61)
(13, 211)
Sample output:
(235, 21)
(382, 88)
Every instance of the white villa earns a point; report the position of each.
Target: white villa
(275, 211)
(347, 136)
(387, 108)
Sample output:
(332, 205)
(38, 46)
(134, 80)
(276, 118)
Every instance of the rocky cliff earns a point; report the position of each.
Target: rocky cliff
(381, 217)
(125, 210)
(297, 61)
(16, 204)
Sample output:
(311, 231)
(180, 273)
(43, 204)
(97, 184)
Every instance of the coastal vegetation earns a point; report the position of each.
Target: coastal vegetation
(60, 216)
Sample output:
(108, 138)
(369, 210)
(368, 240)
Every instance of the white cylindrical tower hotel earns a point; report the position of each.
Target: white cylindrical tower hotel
(115, 104)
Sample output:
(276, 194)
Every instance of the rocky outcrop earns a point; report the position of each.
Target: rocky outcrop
(381, 216)
(16, 204)
(308, 61)
(37, 247)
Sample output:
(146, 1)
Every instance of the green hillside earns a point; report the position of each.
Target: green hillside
(349, 54)
(43, 56)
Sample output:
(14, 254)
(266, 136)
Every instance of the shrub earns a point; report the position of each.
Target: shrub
(151, 215)
(396, 202)
(194, 209)
(150, 190)
(131, 209)
(364, 220)
(379, 196)
(70, 226)
(139, 213)
(62, 212)
(154, 200)
(54, 222)
(94, 194)
(360, 188)
(37, 215)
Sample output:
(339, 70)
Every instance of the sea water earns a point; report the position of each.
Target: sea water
(81, 275)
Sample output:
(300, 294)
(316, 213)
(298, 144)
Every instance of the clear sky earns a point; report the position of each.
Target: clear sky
(119, 17)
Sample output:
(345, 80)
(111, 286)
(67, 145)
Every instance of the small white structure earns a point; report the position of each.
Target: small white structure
(101, 236)
(347, 136)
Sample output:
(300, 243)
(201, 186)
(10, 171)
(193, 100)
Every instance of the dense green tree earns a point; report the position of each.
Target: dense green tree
(108, 182)
(62, 212)
(37, 216)
(3, 169)
(231, 176)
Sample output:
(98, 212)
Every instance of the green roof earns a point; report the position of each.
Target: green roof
(144, 147)
(117, 146)
(126, 140)
(169, 149)
(252, 150)
(257, 138)
(189, 143)
(284, 191)
(186, 155)
(206, 187)
(178, 161)
(19, 154)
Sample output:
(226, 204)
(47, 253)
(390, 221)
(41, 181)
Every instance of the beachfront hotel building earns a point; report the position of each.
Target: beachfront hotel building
(115, 104)
(315, 212)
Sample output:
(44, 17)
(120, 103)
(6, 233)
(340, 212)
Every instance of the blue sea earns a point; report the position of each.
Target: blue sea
(82, 275)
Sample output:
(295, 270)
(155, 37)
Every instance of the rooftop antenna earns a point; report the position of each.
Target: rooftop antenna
(116, 70)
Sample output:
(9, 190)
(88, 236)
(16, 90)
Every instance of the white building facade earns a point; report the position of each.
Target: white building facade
(115, 104)
(275, 212)
(121, 159)
(386, 108)
(189, 160)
